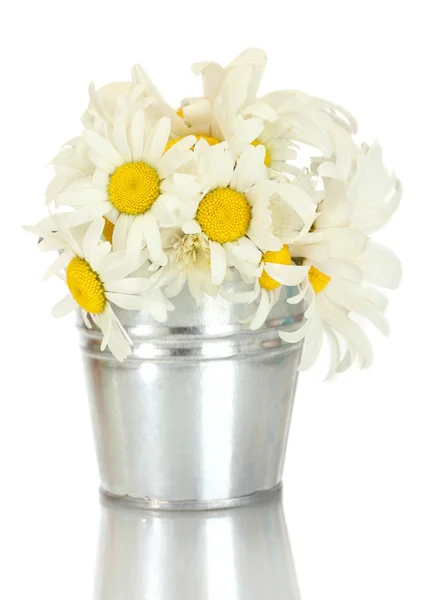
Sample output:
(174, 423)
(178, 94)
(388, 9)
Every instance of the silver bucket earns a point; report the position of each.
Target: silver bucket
(198, 416)
(241, 554)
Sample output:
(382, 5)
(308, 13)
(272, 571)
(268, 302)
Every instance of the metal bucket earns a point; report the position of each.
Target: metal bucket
(241, 554)
(198, 416)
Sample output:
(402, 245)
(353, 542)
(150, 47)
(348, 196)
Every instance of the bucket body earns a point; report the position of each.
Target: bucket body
(198, 416)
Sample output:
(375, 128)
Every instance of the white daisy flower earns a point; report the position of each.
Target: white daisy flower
(71, 165)
(159, 107)
(97, 278)
(317, 124)
(131, 182)
(337, 291)
(227, 93)
(229, 110)
(188, 263)
(345, 264)
(276, 269)
(293, 211)
(105, 104)
(233, 212)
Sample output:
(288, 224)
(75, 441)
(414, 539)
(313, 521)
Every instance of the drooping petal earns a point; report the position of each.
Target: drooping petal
(218, 262)
(135, 237)
(60, 263)
(287, 274)
(127, 301)
(380, 265)
(64, 307)
(262, 311)
(151, 233)
(92, 238)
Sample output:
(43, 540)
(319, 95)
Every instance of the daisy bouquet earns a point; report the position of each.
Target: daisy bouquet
(270, 192)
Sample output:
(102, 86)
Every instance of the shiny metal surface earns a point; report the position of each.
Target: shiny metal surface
(200, 413)
(233, 554)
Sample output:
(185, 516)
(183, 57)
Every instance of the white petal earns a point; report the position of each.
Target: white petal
(151, 233)
(380, 265)
(286, 274)
(335, 352)
(60, 263)
(127, 301)
(92, 238)
(351, 331)
(191, 227)
(157, 141)
(262, 110)
(218, 262)
(120, 232)
(85, 215)
(135, 237)
(99, 254)
(137, 135)
(117, 266)
(297, 298)
(312, 344)
(121, 138)
(103, 148)
(78, 198)
(129, 285)
(262, 312)
(64, 307)
(250, 168)
(265, 240)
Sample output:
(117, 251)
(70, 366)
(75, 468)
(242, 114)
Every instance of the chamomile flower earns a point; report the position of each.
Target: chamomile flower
(272, 190)
(319, 125)
(72, 167)
(96, 279)
(188, 263)
(229, 110)
(105, 104)
(233, 212)
(292, 211)
(276, 269)
(229, 95)
(333, 298)
(128, 186)
(345, 264)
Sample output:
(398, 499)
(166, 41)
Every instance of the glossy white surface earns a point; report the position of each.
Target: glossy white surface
(237, 554)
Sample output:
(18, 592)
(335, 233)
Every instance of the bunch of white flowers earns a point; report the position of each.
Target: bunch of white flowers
(272, 191)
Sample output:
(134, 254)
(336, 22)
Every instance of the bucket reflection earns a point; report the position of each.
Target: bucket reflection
(234, 554)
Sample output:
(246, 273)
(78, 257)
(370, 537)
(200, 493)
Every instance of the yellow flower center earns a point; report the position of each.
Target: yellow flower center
(134, 187)
(212, 141)
(85, 286)
(224, 215)
(180, 113)
(281, 257)
(267, 159)
(318, 279)
(108, 230)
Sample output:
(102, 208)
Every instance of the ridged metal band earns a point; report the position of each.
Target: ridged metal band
(200, 345)
(185, 505)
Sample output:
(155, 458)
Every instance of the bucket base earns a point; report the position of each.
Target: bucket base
(174, 505)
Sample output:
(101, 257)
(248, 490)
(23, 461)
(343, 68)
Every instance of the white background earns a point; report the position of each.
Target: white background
(359, 475)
